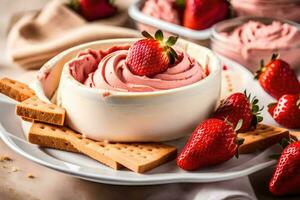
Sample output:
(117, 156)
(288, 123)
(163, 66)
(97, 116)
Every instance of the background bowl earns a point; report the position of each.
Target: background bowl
(251, 57)
(151, 24)
(131, 116)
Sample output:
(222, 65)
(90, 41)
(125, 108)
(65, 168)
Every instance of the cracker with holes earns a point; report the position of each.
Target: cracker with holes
(99, 151)
(35, 109)
(261, 138)
(142, 157)
(63, 138)
(138, 157)
(50, 136)
(15, 90)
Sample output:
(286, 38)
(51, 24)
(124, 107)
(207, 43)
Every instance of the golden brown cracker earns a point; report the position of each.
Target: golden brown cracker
(261, 138)
(35, 109)
(15, 89)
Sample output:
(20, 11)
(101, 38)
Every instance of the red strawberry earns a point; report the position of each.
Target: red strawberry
(287, 111)
(202, 14)
(94, 9)
(286, 178)
(214, 141)
(277, 78)
(239, 106)
(151, 56)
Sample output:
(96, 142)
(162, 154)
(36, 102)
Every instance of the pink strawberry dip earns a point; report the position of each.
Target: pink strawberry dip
(252, 41)
(281, 9)
(162, 9)
(108, 70)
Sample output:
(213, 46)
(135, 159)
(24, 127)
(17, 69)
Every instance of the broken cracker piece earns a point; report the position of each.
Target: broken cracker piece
(35, 109)
(5, 158)
(15, 89)
(14, 169)
(261, 138)
(31, 176)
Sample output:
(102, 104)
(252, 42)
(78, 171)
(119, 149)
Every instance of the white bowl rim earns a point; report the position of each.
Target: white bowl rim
(136, 14)
(213, 71)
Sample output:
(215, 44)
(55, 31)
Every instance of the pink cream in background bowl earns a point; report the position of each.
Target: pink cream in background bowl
(281, 9)
(248, 40)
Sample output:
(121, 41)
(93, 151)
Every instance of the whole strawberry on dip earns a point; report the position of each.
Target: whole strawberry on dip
(149, 64)
(286, 111)
(277, 78)
(286, 177)
(94, 9)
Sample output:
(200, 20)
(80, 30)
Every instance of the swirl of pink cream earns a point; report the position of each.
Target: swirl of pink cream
(258, 36)
(108, 70)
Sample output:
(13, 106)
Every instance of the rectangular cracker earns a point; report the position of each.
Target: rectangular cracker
(295, 135)
(63, 138)
(27, 119)
(35, 109)
(15, 89)
(261, 138)
(138, 157)
(50, 136)
(141, 157)
(96, 150)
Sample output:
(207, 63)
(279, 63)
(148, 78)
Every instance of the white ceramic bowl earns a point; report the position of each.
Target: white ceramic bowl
(131, 116)
(151, 24)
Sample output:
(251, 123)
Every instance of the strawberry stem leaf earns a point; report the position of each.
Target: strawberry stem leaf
(171, 40)
(173, 52)
(239, 142)
(275, 56)
(147, 35)
(74, 5)
(255, 109)
(159, 35)
(180, 3)
(259, 119)
(271, 104)
(239, 125)
(259, 71)
(285, 142)
(274, 156)
(111, 2)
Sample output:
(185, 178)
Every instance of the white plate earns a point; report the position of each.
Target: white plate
(86, 168)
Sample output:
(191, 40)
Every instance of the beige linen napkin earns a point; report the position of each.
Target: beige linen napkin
(36, 38)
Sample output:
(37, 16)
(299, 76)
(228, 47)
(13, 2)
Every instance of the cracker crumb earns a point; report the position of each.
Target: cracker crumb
(31, 176)
(5, 159)
(14, 169)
